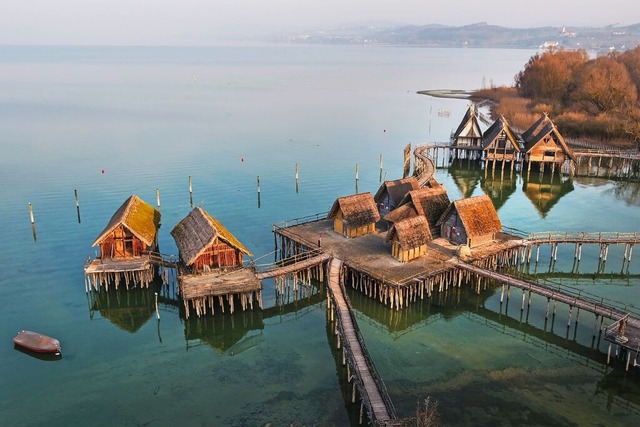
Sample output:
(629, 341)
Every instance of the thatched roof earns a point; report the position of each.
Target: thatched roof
(401, 212)
(198, 231)
(470, 123)
(477, 214)
(357, 210)
(542, 128)
(410, 232)
(138, 217)
(426, 201)
(500, 127)
(396, 189)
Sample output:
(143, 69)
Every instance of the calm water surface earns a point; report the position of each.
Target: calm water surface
(110, 122)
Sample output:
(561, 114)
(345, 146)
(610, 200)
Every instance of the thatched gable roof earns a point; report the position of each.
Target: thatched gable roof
(478, 215)
(357, 209)
(410, 232)
(499, 127)
(400, 213)
(396, 189)
(470, 123)
(138, 217)
(542, 128)
(198, 231)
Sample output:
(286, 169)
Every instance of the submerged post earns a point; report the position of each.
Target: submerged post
(157, 312)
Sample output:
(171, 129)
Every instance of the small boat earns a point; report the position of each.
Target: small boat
(37, 343)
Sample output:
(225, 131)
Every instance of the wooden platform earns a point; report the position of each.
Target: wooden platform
(218, 283)
(372, 255)
(109, 265)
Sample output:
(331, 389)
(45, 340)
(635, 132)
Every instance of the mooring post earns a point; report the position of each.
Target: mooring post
(190, 192)
(33, 221)
(158, 198)
(157, 312)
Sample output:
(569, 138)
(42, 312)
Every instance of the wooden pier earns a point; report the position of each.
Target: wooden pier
(373, 394)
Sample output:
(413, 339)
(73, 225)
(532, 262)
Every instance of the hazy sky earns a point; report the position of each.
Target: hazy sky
(200, 22)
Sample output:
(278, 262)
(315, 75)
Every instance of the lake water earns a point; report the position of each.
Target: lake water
(111, 122)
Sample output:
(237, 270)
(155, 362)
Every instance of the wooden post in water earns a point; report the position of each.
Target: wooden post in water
(158, 198)
(157, 312)
(296, 177)
(190, 192)
(380, 167)
(258, 191)
(33, 221)
(75, 192)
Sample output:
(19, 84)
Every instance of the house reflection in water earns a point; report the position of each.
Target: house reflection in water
(499, 187)
(545, 191)
(129, 311)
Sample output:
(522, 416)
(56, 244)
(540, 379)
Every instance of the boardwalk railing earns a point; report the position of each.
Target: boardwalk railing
(302, 220)
(286, 262)
(577, 237)
(162, 259)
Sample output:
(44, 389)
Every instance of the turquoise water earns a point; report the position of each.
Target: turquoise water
(150, 118)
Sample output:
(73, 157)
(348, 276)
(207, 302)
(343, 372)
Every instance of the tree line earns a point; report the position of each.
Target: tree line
(594, 98)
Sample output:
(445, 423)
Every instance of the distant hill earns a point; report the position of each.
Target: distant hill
(476, 35)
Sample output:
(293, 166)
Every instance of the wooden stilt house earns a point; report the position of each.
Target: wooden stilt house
(544, 145)
(391, 193)
(211, 273)
(204, 244)
(500, 143)
(409, 238)
(427, 202)
(468, 133)
(354, 215)
(472, 221)
(125, 244)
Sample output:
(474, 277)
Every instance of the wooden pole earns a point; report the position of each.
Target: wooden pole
(33, 221)
(158, 198)
(157, 312)
(190, 192)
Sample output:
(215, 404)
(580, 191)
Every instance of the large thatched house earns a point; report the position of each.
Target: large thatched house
(409, 238)
(204, 244)
(472, 222)
(354, 215)
(131, 231)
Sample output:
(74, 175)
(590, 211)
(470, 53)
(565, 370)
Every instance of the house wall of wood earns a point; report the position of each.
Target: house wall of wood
(218, 255)
(546, 151)
(501, 149)
(481, 240)
(341, 226)
(453, 229)
(121, 243)
(405, 255)
(468, 141)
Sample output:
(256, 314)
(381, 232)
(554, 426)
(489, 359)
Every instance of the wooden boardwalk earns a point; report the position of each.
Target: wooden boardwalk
(372, 391)
(297, 264)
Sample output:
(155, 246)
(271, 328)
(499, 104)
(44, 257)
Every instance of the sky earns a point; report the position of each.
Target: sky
(207, 22)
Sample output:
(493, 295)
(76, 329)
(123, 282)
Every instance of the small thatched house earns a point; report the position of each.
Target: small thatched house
(409, 238)
(354, 215)
(468, 133)
(131, 231)
(500, 143)
(543, 144)
(427, 202)
(472, 222)
(391, 193)
(204, 244)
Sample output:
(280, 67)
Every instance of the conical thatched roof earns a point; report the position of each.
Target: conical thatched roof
(410, 232)
(396, 189)
(197, 232)
(357, 210)
(138, 217)
(477, 214)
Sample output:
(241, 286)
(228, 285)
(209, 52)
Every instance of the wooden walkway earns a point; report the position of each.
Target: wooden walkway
(610, 238)
(372, 391)
(298, 264)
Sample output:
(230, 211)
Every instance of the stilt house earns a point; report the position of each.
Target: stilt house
(468, 133)
(391, 193)
(427, 202)
(354, 215)
(204, 244)
(543, 144)
(500, 143)
(131, 231)
(472, 222)
(409, 238)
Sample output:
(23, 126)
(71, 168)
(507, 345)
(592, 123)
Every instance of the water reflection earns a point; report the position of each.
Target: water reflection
(466, 176)
(499, 185)
(225, 332)
(128, 310)
(545, 190)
